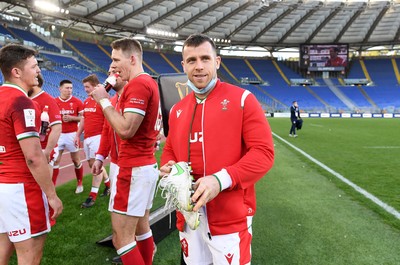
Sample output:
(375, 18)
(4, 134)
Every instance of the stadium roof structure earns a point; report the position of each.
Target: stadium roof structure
(271, 24)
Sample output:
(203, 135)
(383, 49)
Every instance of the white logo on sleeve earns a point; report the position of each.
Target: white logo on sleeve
(178, 113)
(29, 115)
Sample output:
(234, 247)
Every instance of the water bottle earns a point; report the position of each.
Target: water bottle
(110, 82)
(44, 117)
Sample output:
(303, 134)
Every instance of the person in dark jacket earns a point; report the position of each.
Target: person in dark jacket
(294, 118)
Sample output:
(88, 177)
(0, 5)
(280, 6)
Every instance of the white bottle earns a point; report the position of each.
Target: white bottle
(44, 117)
(110, 82)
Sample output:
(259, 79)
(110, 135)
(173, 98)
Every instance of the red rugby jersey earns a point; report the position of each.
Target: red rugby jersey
(19, 119)
(140, 96)
(94, 118)
(71, 106)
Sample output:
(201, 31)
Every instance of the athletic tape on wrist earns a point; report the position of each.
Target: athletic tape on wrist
(105, 103)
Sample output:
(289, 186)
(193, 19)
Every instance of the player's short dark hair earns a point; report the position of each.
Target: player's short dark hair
(195, 40)
(65, 81)
(14, 55)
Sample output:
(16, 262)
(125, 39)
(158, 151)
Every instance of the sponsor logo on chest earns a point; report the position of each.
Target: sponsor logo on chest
(67, 111)
(90, 110)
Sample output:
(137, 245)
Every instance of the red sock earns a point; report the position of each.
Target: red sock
(132, 257)
(146, 248)
(93, 195)
(107, 182)
(79, 173)
(56, 171)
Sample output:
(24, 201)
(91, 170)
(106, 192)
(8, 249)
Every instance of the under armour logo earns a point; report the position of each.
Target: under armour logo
(178, 113)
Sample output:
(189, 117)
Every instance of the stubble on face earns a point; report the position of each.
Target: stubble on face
(200, 64)
(29, 74)
(121, 64)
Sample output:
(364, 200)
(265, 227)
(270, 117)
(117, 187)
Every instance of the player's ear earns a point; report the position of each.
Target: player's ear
(16, 72)
(218, 61)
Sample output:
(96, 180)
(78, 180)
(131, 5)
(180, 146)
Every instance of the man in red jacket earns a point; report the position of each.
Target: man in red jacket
(221, 130)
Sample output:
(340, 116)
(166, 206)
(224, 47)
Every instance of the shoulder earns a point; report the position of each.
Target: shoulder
(233, 91)
(76, 101)
(23, 102)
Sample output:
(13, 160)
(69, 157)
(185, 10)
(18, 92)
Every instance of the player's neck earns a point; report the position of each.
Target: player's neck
(35, 92)
(18, 82)
(137, 72)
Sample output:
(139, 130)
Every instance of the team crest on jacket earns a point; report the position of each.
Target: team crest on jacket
(224, 104)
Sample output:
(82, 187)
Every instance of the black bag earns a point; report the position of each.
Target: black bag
(299, 124)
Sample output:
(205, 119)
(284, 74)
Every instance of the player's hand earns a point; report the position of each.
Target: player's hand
(57, 206)
(76, 141)
(97, 167)
(47, 155)
(67, 118)
(99, 93)
(166, 169)
(206, 189)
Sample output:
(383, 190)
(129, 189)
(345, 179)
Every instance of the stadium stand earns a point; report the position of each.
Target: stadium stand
(279, 25)
(158, 63)
(269, 80)
(27, 36)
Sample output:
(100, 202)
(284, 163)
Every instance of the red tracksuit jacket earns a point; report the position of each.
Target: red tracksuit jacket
(237, 138)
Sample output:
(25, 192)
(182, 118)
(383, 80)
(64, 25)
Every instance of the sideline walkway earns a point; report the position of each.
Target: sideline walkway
(67, 172)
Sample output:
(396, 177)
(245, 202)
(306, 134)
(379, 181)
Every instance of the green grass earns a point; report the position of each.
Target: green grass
(305, 215)
(365, 151)
(303, 218)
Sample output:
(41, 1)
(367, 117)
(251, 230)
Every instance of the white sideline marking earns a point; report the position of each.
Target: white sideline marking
(71, 164)
(383, 147)
(67, 152)
(366, 194)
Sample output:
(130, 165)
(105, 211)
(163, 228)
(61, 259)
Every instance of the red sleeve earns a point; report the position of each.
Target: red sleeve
(105, 140)
(26, 118)
(54, 112)
(257, 137)
(137, 96)
(79, 104)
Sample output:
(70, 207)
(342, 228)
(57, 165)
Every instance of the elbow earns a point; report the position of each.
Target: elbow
(33, 160)
(125, 135)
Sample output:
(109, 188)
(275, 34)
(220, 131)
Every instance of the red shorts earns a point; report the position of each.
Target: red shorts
(25, 211)
(134, 190)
